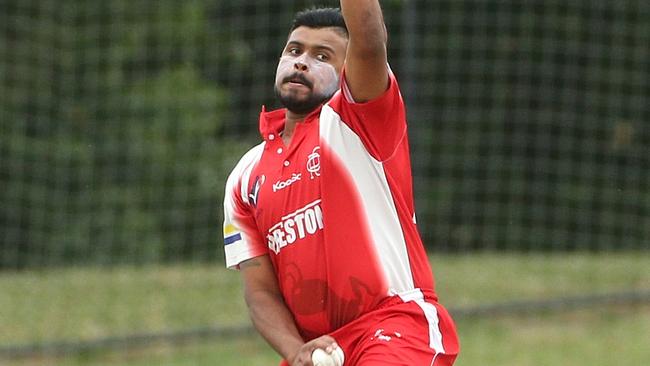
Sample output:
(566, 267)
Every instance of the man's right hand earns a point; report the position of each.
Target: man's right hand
(303, 355)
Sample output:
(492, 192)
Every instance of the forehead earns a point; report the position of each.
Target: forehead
(319, 37)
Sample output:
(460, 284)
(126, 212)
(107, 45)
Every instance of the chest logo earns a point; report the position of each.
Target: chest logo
(313, 163)
(298, 225)
(282, 184)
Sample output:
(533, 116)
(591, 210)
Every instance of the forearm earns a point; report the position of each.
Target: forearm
(366, 58)
(365, 23)
(274, 322)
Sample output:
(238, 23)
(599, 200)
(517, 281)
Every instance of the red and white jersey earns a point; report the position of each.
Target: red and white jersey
(334, 210)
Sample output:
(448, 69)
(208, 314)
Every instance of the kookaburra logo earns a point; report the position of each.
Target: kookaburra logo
(313, 163)
(282, 184)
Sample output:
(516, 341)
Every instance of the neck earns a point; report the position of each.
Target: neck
(291, 119)
(290, 122)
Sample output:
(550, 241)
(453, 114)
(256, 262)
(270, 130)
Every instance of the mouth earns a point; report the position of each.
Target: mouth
(298, 79)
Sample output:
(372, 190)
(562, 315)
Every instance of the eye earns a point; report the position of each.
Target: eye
(322, 57)
(294, 51)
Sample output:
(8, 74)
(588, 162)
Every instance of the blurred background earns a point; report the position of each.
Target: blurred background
(120, 121)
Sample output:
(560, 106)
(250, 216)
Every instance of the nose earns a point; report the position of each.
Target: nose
(299, 65)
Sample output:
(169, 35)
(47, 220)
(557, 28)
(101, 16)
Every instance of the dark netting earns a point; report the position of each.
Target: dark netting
(119, 121)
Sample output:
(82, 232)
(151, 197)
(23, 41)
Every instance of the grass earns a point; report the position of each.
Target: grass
(594, 338)
(73, 304)
(78, 304)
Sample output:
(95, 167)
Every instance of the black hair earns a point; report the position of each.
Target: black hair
(320, 18)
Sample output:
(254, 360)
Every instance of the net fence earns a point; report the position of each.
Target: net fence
(120, 120)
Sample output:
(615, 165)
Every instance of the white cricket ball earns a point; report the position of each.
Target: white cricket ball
(321, 358)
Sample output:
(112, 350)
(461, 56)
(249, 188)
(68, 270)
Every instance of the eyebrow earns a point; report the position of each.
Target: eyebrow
(318, 47)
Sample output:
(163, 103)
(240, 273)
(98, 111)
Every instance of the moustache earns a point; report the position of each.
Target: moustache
(298, 78)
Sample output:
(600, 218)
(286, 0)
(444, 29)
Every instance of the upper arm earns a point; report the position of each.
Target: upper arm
(366, 67)
(258, 275)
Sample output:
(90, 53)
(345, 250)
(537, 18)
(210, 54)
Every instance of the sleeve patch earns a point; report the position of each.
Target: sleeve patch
(232, 239)
(231, 234)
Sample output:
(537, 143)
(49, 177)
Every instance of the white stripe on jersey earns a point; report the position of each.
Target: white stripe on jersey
(374, 193)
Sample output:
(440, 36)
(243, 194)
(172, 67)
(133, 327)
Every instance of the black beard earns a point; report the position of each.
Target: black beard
(301, 106)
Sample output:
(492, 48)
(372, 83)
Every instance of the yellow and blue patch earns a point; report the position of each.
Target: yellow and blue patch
(231, 234)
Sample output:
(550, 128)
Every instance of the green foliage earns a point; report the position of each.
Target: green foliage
(112, 140)
(120, 119)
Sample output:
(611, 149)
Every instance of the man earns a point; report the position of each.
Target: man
(319, 218)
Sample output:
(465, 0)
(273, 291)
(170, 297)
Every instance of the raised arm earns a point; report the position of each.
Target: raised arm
(366, 67)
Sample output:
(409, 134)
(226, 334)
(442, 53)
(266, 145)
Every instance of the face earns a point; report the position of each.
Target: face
(309, 68)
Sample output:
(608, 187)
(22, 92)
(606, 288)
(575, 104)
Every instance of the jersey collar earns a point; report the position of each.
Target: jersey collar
(272, 122)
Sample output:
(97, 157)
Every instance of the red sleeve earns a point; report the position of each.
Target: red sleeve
(380, 123)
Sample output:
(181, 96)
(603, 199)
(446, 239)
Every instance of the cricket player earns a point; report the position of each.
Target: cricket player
(320, 217)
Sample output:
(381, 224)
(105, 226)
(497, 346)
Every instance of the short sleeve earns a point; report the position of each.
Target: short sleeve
(241, 237)
(380, 123)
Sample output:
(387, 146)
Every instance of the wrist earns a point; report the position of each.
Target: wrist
(292, 351)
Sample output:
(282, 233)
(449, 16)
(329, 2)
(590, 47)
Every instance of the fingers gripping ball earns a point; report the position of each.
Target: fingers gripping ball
(321, 358)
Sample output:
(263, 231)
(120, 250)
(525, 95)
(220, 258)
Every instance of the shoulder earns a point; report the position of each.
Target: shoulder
(244, 166)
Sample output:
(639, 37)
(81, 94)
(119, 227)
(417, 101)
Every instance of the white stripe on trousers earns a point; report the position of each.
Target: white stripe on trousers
(431, 314)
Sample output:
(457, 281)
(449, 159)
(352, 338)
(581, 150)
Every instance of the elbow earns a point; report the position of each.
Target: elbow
(260, 297)
(253, 304)
(253, 297)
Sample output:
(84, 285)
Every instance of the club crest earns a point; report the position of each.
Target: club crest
(313, 163)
